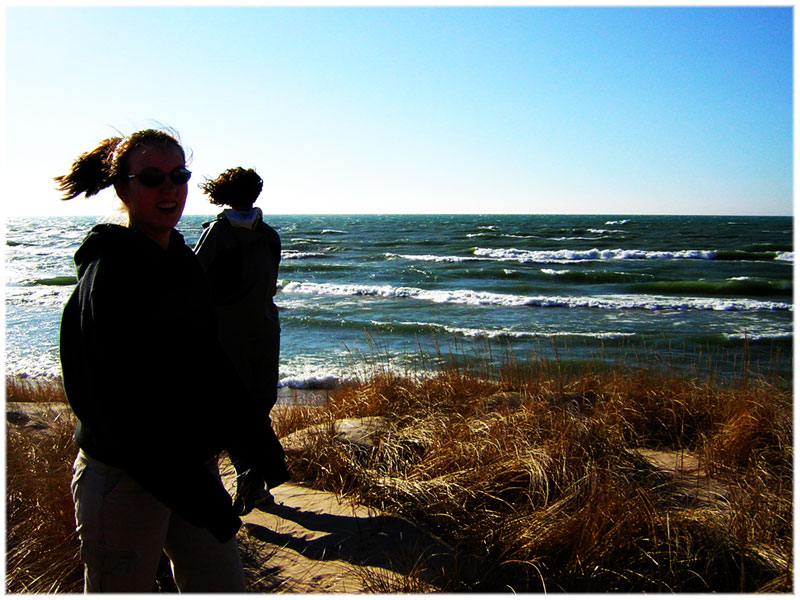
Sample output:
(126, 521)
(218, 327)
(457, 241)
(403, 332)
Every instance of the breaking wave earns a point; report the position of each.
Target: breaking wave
(594, 254)
(477, 298)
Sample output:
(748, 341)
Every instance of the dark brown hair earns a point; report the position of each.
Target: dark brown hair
(98, 168)
(237, 187)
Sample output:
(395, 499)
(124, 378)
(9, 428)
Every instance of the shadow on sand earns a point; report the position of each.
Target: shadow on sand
(380, 541)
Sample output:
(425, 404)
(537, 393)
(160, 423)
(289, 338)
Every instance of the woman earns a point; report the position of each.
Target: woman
(240, 254)
(149, 406)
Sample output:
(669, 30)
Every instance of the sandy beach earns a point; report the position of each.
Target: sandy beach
(309, 541)
(314, 542)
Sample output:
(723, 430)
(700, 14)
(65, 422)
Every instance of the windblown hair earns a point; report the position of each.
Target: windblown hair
(237, 188)
(98, 168)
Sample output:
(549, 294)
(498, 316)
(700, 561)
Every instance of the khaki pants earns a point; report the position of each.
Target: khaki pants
(123, 530)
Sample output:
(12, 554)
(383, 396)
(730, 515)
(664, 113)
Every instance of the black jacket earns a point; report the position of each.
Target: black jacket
(241, 264)
(153, 391)
(242, 267)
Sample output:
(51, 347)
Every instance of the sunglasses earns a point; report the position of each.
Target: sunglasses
(153, 178)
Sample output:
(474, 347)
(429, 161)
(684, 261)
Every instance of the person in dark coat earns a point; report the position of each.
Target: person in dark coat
(153, 413)
(240, 254)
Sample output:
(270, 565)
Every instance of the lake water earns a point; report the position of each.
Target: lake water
(391, 286)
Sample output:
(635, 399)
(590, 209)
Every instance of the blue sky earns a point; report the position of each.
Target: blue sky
(378, 109)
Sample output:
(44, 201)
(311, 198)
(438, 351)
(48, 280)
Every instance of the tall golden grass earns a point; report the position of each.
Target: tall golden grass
(541, 475)
(542, 479)
(42, 548)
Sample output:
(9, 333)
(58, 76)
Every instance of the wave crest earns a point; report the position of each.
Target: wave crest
(477, 298)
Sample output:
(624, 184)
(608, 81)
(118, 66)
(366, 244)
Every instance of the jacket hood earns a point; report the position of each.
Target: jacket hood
(107, 240)
(244, 219)
(246, 227)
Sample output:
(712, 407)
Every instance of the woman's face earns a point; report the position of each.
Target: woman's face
(154, 211)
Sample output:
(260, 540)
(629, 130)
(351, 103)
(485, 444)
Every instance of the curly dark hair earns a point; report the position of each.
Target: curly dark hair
(98, 168)
(237, 188)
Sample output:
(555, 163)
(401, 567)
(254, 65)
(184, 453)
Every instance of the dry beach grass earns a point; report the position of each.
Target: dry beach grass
(589, 479)
(536, 477)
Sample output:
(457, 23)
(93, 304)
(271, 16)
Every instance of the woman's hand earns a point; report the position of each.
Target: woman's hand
(249, 489)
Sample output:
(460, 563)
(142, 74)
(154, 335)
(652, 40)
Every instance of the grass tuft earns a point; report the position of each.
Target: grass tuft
(42, 548)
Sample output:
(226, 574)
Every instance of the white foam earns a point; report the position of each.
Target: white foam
(476, 298)
(565, 255)
(45, 366)
(321, 381)
(484, 333)
(605, 231)
(775, 335)
(509, 333)
(298, 255)
(430, 258)
(555, 271)
(54, 296)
